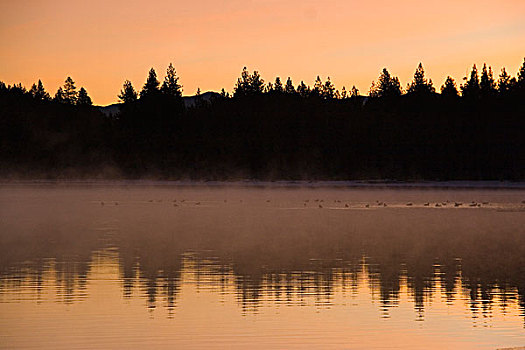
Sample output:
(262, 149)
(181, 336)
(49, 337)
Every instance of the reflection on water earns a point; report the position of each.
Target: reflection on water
(238, 267)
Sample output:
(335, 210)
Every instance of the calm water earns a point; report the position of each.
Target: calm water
(164, 266)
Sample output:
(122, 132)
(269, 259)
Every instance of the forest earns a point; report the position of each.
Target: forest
(271, 130)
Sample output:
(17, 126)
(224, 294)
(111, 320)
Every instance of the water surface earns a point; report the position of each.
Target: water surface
(214, 266)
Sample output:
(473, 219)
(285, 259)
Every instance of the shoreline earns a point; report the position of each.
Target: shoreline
(391, 184)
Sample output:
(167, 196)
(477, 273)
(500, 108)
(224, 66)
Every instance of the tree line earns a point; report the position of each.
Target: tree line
(275, 130)
(252, 84)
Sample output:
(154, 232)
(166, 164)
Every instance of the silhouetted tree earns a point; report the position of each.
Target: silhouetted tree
(248, 84)
(268, 88)
(521, 77)
(70, 91)
(471, 86)
(151, 87)
(487, 85)
(224, 94)
(354, 92)
(344, 94)
(256, 83)
(303, 90)
(387, 86)
(128, 93)
(38, 92)
(171, 85)
(420, 85)
(83, 98)
(318, 87)
(328, 91)
(278, 86)
(505, 82)
(449, 89)
(289, 88)
(59, 96)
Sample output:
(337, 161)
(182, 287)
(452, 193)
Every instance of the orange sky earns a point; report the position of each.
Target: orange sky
(100, 43)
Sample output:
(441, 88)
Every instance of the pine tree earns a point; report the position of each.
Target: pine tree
(70, 91)
(83, 98)
(278, 86)
(268, 88)
(59, 96)
(256, 83)
(354, 92)
(151, 87)
(328, 91)
(303, 90)
(248, 84)
(471, 87)
(171, 85)
(521, 77)
(289, 88)
(318, 87)
(224, 94)
(504, 82)
(38, 92)
(343, 93)
(420, 85)
(128, 93)
(449, 88)
(387, 86)
(487, 85)
(242, 86)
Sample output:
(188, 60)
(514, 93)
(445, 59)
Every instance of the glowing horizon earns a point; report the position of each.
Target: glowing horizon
(100, 45)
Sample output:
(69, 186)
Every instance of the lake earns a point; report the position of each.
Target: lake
(272, 266)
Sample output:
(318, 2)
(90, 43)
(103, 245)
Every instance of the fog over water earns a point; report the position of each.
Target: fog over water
(186, 265)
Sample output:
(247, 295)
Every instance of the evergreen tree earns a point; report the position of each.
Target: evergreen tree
(70, 91)
(318, 87)
(151, 87)
(278, 86)
(256, 83)
(268, 88)
(373, 90)
(248, 84)
(354, 92)
(289, 88)
(504, 82)
(303, 90)
(59, 96)
(243, 84)
(487, 85)
(38, 92)
(83, 98)
(471, 87)
(171, 85)
(343, 93)
(521, 77)
(328, 91)
(224, 94)
(420, 85)
(128, 93)
(387, 86)
(449, 88)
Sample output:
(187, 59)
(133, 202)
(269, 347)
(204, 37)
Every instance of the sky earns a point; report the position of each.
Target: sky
(101, 43)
